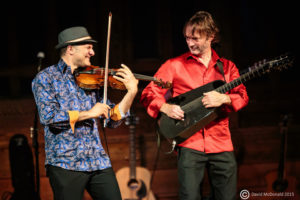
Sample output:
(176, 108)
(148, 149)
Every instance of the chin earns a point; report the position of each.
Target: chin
(195, 53)
(88, 63)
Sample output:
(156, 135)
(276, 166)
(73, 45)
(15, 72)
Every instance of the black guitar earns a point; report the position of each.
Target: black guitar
(196, 115)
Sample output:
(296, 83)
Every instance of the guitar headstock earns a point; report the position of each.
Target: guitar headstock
(265, 66)
(281, 62)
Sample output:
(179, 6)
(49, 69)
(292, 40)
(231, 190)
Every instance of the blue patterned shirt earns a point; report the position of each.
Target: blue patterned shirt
(56, 93)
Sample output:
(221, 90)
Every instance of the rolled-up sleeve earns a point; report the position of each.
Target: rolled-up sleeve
(153, 96)
(47, 105)
(115, 115)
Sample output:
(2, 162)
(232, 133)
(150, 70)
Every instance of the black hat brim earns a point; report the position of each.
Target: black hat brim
(89, 41)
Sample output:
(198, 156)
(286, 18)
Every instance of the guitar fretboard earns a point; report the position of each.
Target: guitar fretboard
(258, 71)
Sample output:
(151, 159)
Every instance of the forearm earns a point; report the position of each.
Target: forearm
(83, 115)
(76, 116)
(127, 100)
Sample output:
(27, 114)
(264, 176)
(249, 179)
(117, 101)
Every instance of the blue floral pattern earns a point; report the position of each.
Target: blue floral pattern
(56, 92)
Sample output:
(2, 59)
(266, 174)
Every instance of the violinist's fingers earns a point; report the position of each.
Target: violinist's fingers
(124, 72)
(119, 78)
(125, 76)
(125, 69)
(122, 75)
(105, 115)
(124, 66)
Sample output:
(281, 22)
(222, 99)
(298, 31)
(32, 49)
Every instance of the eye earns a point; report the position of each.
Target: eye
(192, 38)
(89, 46)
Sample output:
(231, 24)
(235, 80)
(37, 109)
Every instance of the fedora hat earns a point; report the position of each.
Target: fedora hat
(74, 36)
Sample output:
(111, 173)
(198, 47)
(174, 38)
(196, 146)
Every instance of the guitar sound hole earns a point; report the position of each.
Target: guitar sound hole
(280, 185)
(133, 184)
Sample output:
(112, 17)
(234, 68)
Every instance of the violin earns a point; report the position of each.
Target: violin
(92, 77)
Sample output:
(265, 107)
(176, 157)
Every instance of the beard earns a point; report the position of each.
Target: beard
(198, 49)
(83, 62)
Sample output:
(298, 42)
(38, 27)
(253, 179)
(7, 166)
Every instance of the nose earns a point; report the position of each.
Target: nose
(92, 52)
(189, 41)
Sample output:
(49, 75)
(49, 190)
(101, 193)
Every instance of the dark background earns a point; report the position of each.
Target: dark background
(255, 27)
(146, 33)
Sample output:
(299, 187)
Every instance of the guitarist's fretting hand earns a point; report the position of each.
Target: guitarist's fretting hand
(173, 111)
(215, 99)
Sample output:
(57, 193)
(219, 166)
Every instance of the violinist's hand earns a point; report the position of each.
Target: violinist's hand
(99, 109)
(127, 78)
(131, 83)
(173, 111)
(215, 99)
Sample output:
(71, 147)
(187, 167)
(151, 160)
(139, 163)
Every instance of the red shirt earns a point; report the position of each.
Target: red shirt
(186, 72)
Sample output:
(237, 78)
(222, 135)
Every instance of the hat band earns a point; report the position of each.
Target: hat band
(79, 39)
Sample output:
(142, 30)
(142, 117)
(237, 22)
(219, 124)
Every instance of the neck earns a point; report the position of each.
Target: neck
(69, 63)
(205, 57)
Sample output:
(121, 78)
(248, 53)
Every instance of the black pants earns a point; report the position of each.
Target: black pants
(70, 185)
(222, 172)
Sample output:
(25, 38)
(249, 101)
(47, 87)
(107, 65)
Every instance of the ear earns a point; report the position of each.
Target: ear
(70, 49)
(211, 37)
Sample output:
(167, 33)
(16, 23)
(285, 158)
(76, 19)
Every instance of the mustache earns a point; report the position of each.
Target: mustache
(193, 47)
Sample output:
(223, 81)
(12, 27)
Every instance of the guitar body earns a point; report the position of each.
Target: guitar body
(138, 188)
(287, 186)
(196, 115)
(134, 182)
(277, 181)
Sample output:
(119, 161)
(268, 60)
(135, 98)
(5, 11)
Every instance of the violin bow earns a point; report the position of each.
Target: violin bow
(106, 62)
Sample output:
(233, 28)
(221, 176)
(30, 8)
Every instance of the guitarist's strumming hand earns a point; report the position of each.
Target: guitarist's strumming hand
(173, 111)
(215, 99)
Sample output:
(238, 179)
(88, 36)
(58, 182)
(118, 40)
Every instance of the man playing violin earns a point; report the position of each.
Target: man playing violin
(75, 157)
(211, 146)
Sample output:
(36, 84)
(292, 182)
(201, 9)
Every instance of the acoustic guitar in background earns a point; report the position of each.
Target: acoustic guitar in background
(134, 182)
(278, 183)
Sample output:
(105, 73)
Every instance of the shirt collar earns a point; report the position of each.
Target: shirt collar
(215, 57)
(63, 67)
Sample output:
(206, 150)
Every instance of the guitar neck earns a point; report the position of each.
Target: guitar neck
(242, 79)
(132, 159)
(257, 71)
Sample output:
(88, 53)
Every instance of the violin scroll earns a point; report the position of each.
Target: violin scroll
(162, 84)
